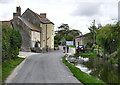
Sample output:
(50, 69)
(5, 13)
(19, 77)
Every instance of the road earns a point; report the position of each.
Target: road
(43, 68)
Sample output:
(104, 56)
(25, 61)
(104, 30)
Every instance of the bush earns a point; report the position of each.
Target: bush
(93, 47)
(55, 42)
(36, 44)
(55, 45)
(11, 43)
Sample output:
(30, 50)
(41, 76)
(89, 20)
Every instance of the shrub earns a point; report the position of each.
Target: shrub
(55, 45)
(55, 42)
(11, 43)
(36, 44)
(93, 47)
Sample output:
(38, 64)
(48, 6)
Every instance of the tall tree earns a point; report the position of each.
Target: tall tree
(64, 27)
(65, 33)
(109, 38)
(93, 30)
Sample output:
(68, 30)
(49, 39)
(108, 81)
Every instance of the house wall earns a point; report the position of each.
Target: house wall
(35, 37)
(25, 33)
(80, 40)
(49, 33)
(43, 35)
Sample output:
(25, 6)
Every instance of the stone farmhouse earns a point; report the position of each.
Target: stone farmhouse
(34, 28)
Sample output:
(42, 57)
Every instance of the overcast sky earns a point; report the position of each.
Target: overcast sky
(78, 14)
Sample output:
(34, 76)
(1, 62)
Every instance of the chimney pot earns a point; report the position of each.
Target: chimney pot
(18, 12)
(43, 15)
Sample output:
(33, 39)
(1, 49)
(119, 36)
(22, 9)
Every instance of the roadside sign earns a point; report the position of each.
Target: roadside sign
(69, 43)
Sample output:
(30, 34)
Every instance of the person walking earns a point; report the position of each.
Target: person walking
(64, 48)
(67, 48)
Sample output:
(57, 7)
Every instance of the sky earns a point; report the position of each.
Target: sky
(78, 14)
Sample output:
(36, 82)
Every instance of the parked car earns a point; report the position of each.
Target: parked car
(79, 49)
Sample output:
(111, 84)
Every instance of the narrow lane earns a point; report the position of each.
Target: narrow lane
(44, 68)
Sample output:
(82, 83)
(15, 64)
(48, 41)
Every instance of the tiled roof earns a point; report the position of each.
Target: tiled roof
(6, 21)
(30, 25)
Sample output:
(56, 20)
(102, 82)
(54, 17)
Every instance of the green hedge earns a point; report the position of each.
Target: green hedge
(11, 43)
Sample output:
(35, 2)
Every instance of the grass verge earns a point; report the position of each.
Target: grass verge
(81, 76)
(72, 46)
(7, 67)
(85, 55)
(0, 74)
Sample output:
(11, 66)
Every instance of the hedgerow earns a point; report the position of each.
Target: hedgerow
(11, 43)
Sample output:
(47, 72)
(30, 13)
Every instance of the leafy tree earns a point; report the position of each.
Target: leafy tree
(93, 30)
(64, 27)
(65, 34)
(69, 37)
(109, 38)
(88, 40)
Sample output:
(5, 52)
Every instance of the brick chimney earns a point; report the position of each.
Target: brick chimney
(43, 15)
(18, 12)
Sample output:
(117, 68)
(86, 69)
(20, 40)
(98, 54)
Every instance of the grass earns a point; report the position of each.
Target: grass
(85, 55)
(81, 76)
(7, 67)
(0, 74)
(72, 46)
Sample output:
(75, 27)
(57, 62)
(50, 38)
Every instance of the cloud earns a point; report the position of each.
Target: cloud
(65, 11)
(5, 1)
(87, 9)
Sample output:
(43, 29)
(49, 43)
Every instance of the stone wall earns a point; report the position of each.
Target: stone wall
(25, 33)
(80, 40)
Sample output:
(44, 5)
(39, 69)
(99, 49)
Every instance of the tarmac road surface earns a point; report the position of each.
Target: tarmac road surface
(43, 68)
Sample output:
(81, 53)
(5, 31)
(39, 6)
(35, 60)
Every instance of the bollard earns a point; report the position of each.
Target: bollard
(66, 58)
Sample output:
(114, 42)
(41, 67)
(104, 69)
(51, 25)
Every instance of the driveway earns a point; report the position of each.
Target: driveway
(43, 68)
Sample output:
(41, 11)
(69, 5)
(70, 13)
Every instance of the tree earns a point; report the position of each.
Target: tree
(64, 27)
(93, 30)
(109, 38)
(65, 33)
(69, 37)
